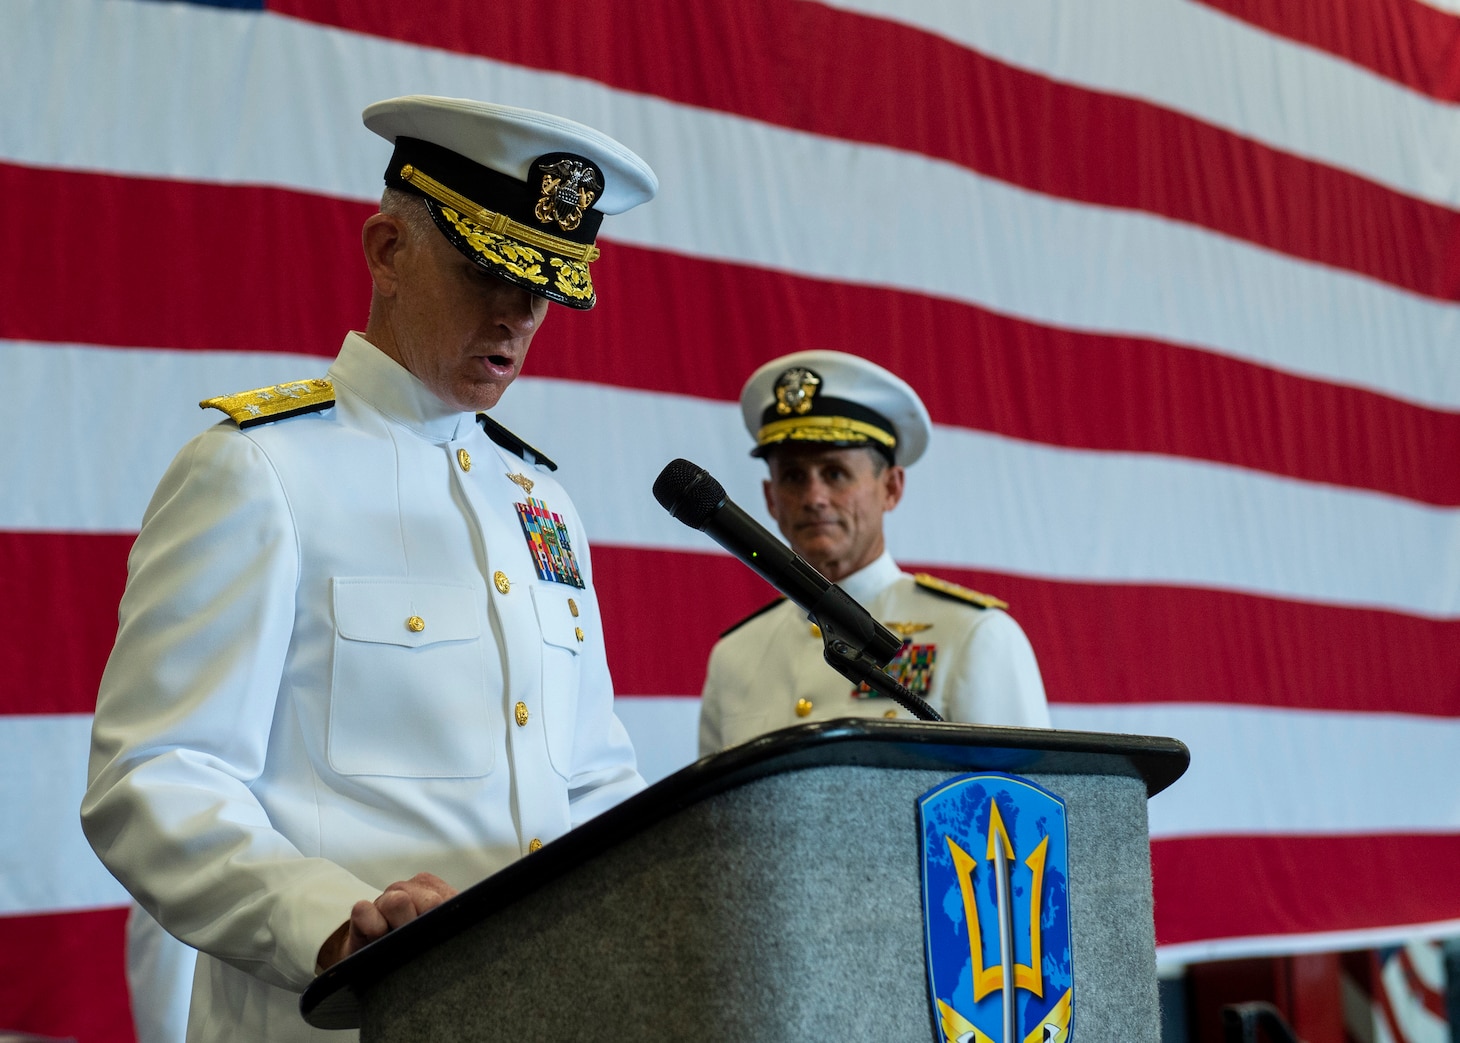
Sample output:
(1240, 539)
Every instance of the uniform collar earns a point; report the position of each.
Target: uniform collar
(867, 583)
(392, 389)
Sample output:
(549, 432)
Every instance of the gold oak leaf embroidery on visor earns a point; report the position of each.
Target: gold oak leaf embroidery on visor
(522, 261)
(573, 278)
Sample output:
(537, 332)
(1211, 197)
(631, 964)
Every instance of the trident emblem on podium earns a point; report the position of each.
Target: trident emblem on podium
(997, 922)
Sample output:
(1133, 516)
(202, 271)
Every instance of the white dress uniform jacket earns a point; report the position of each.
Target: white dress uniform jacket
(336, 667)
(769, 672)
(159, 979)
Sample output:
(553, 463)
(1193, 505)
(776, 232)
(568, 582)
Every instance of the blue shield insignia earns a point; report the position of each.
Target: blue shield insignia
(996, 912)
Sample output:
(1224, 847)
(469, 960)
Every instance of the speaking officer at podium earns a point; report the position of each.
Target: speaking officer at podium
(836, 432)
(360, 663)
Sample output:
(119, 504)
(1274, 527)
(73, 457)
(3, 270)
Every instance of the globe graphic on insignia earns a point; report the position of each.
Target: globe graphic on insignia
(962, 815)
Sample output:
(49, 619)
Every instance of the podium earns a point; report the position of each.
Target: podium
(771, 892)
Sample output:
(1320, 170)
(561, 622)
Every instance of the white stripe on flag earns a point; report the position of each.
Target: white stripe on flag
(664, 730)
(1198, 61)
(45, 862)
(110, 420)
(1047, 260)
(1172, 956)
(1266, 771)
(1416, 1023)
(1062, 513)
(1241, 758)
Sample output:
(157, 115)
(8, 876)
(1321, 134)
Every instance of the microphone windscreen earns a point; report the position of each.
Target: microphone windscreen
(688, 492)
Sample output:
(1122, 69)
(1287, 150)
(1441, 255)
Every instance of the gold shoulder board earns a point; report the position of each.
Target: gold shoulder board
(953, 590)
(754, 615)
(274, 403)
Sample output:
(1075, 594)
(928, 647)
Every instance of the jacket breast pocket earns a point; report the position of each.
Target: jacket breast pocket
(408, 695)
(561, 616)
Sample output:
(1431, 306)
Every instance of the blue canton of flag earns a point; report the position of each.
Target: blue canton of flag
(996, 911)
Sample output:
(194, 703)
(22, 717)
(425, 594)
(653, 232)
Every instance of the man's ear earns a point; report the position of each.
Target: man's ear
(770, 503)
(383, 238)
(894, 480)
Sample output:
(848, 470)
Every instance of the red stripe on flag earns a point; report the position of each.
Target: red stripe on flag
(1306, 884)
(1409, 42)
(775, 65)
(173, 264)
(83, 994)
(1059, 387)
(71, 584)
(1382, 1003)
(996, 373)
(1132, 643)
(1096, 644)
(1429, 998)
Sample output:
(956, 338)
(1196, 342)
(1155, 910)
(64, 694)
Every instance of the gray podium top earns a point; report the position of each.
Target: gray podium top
(333, 1000)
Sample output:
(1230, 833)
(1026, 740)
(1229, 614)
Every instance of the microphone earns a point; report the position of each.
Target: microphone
(689, 493)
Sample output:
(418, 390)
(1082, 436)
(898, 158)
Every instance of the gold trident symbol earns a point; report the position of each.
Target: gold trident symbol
(991, 978)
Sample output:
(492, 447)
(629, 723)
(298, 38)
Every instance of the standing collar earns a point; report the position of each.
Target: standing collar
(868, 582)
(392, 389)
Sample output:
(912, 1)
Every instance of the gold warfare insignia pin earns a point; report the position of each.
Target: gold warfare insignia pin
(522, 481)
(906, 630)
(795, 390)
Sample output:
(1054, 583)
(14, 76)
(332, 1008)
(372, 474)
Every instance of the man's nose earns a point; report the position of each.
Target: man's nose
(817, 491)
(515, 310)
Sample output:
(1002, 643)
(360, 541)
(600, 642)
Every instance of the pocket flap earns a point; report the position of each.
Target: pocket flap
(561, 613)
(405, 612)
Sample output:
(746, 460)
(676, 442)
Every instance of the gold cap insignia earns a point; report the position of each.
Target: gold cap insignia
(569, 187)
(795, 389)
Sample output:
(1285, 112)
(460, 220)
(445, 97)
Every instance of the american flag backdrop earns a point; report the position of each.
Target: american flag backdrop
(1179, 281)
(1409, 1002)
(1395, 994)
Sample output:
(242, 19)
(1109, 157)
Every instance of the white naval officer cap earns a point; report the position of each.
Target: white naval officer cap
(519, 192)
(831, 398)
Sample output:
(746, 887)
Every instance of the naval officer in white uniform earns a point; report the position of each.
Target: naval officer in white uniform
(836, 432)
(360, 663)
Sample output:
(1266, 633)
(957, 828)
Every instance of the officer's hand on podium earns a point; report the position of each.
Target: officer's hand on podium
(398, 904)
